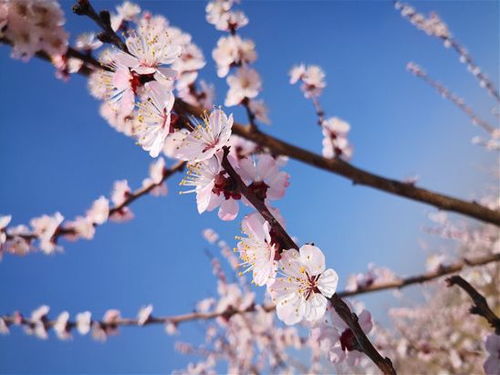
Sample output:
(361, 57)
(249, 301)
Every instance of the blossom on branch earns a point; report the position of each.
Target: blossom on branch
(312, 78)
(302, 292)
(245, 84)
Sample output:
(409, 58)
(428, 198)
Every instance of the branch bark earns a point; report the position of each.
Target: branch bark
(358, 176)
(342, 309)
(480, 306)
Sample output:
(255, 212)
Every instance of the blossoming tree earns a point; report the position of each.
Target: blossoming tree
(144, 72)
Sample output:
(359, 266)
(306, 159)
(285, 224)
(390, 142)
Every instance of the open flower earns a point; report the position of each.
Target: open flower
(213, 188)
(263, 177)
(154, 118)
(257, 250)
(312, 77)
(45, 228)
(150, 48)
(303, 291)
(245, 84)
(335, 141)
(206, 138)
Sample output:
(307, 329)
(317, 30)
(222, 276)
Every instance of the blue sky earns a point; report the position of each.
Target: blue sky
(57, 154)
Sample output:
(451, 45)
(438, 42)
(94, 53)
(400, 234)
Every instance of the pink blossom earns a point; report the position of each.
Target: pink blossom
(45, 228)
(144, 314)
(206, 138)
(233, 51)
(312, 77)
(99, 212)
(61, 326)
(245, 84)
(303, 291)
(83, 322)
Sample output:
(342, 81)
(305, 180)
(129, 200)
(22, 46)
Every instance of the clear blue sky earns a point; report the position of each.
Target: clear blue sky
(57, 154)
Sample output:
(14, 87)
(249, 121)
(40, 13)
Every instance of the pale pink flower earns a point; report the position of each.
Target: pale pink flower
(187, 65)
(212, 186)
(206, 138)
(233, 51)
(144, 314)
(241, 147)
(210, 235)
(4, 328)
(99, 212)
(61, 326)
(126, 12)
(257, 251)
(335, 141)
(121, 192)
(259, 110)
(245, 84)
(82, 227)
(87, 42)
(83, 322)
(203, 96)
(337, 339)
(154, 118)
(174, 141)
(220, 15)
(312, 77)
(4, 221)
(17, 245)
(39, 318)
(434, 262)
(302, 292)
(156, 175)
(263, 177)
(45, 228)
(492, 364)
(205, 305)
(150, 49)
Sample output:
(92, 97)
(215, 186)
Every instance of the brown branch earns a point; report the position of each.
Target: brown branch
(443, 270)
(358, 176)
(227, 314)
(365, 346)
(108, 35)
(285, 240)
(131, 197)
(480, 306)
(342, 309)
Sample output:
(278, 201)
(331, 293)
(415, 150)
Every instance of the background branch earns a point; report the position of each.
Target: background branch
(480, 306)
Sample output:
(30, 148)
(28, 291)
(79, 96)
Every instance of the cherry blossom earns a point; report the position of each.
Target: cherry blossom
(126, 12)
(233, 51)
(61, 327)
(338, 340)
(303, 291)
(45, 227)
(312, 77)
(257, 251)
(83, 322)
(220, 15)
(206, 138)
(245, 84)
(213, 188)
(263, 177)
(150, 49)
(4, 221)
(99, 211)
(335, 141)
(156, 175)
(87, 42)
(119, 195)
(154, 118)
(33, 26)
(144, 314)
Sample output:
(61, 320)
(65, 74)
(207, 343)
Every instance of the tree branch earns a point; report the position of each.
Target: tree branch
(108, 35)
(480, 306)
(356, 175)
(342, 309)
(184, 318)
(131, 197)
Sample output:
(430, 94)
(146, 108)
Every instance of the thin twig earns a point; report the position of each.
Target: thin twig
(183, 318)
(131, 197)
(480, 306)
(108, 35)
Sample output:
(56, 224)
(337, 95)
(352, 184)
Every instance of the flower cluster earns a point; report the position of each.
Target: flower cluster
(138, 85)
(432, 25)
(312, 78)
(234, 52)
(33, 26)
(19, 240)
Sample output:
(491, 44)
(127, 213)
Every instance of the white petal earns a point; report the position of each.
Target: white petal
(327, 282)
(315, 307)
(313, 259)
